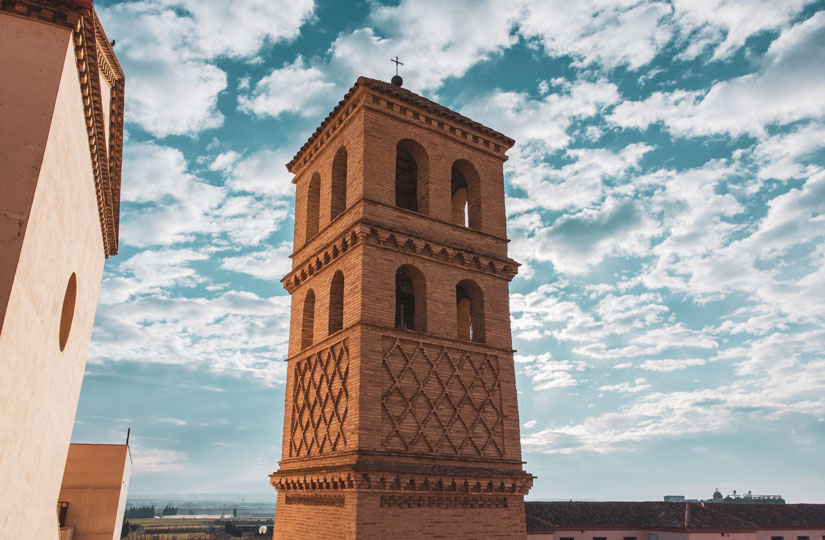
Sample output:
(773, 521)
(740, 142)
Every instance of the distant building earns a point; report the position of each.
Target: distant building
(748, 498)
(673, 521)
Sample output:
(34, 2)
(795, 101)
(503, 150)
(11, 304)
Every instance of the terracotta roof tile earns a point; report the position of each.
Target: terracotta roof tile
(670, 515)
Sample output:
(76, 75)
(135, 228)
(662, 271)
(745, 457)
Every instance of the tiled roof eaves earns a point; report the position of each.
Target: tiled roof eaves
(407, 96)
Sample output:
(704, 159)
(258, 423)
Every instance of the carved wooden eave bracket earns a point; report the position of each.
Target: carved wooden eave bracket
(362, 232)
(95, 58)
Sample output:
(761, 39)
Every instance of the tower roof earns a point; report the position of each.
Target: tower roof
(408, 97)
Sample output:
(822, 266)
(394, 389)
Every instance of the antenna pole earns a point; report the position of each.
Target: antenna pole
(128, 432)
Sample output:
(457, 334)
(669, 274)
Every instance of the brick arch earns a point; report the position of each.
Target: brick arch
(312, 214)
(412, 176)
(410, 299)
(338, 201)
(470, 311)
(466, 195)
(336, 303)
(308, 320)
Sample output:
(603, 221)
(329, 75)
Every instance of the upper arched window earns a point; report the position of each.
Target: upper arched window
(410, 299)
(313, 202)
(466, 195)
(411, 170)
(336, 303)
(339, 183)
(308, 319)
(469, 311)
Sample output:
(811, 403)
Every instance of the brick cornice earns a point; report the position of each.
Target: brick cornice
(94, 57)
(366, 232)
(402, 103)
(469, 482)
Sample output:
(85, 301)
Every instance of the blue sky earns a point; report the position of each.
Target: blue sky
(666, 198)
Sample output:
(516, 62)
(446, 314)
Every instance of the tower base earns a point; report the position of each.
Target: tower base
(459, 504)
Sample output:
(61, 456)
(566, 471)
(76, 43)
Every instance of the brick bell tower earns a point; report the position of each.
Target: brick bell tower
(401, 419)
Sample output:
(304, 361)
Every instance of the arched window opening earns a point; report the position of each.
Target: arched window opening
(313, 202)
(459, 193)
(410, 299)
(339, 183)
(336, 303)
(308, 321)
(469, 311)
(411, 176)
(466, 192)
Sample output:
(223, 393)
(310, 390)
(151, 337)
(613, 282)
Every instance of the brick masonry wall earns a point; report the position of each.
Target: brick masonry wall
(389, 478)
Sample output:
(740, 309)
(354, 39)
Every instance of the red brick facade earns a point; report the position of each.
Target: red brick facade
(401, 418)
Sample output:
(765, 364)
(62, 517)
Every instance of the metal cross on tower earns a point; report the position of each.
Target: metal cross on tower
(397, 63)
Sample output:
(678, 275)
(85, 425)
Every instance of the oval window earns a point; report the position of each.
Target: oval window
(67, 313)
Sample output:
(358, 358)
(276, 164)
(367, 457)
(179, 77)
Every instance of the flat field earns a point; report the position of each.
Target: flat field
(196, 529)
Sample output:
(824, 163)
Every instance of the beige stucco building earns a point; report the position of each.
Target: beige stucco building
(61, 126)
(93, 495)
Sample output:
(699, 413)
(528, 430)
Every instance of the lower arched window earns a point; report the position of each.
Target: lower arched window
(410, 299)
(336, 303)
(308, 319)
(469, 311)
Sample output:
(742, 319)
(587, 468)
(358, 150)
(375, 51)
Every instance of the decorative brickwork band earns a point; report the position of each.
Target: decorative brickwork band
(315, 500)
(440, 400)
(445, 502)
(319, 402)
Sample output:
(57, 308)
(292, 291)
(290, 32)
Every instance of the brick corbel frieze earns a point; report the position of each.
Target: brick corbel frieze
(483, 484)
(374, 234)
(94, 57)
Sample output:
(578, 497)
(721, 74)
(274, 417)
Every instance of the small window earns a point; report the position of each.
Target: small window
(308, 322)
(406, 181)
(67, 312)
(599, 538)
(336, 303)
(338, 201)
(628, 538)
(652, 536)
(777, 538)
(313, 201)
(803, 538)
(404, 301)
(469, 311)
(566, 538)
(411, 176)
(410, 299)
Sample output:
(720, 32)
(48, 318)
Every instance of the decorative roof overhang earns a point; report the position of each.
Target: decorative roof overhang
(470, 130)
(95, 61)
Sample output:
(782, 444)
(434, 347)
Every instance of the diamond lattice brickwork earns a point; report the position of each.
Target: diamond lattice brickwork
(441, 400)
(319, 402)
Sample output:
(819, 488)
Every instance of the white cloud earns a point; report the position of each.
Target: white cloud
(235, 332)
(167, 46)
(787, 87)
(677, 335)
(185, 206)
(725, 25)
(547, 373)
(272, 263)
(576, 242)
(602, 32)
(262, 172)
(529, 424)
(671, 364)
(434, 39)
(639, 385)
(294, 88)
